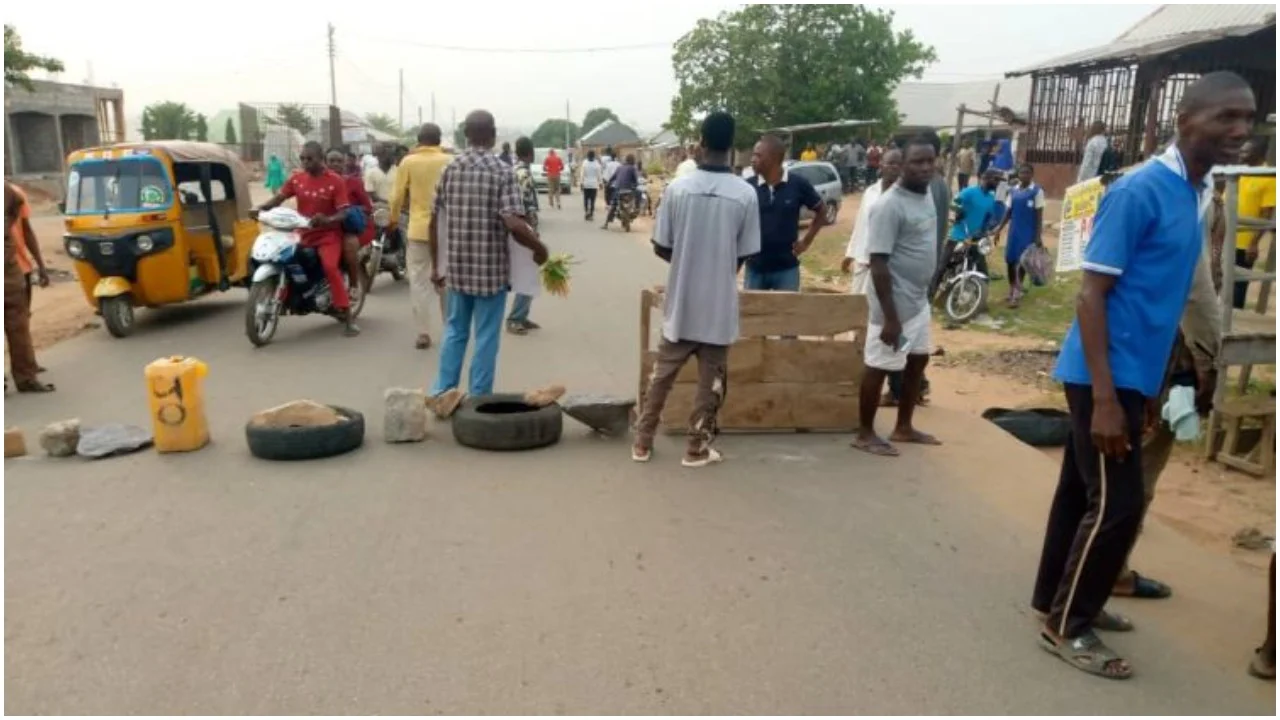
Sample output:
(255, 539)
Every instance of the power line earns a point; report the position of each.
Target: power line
(518, 51)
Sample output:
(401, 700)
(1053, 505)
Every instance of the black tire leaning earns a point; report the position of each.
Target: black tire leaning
(1038, 427)
(307, 443)
(505, 431)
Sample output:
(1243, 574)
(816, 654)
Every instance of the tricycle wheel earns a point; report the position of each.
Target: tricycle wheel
(373, 264)
(117, 315)
(399, 267)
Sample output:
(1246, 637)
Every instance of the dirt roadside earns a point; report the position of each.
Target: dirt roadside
(979, 370)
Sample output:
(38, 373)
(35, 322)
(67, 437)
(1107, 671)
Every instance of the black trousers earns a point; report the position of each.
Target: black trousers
(962, 181)
(1241, 289)
(1093, 521)
(589, 200)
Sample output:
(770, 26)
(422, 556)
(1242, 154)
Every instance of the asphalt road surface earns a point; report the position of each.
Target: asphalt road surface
(797, 577)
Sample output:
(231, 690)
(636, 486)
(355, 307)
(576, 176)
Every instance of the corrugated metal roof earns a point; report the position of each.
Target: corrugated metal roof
(1169, 20)
(933, 105)
(610, 132)
(1171, 27)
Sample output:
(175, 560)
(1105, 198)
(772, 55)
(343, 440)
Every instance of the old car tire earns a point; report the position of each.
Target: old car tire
(117, 315)
(307, 443)
(833, 212)
(506, 422)
(1038, 427)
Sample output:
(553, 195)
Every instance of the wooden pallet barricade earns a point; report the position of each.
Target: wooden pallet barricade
(809, 383)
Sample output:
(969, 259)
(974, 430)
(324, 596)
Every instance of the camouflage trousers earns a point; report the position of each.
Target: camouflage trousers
(713, 385)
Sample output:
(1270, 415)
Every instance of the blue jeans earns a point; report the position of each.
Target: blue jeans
(782, 280)
(520, 308)
(485, 311)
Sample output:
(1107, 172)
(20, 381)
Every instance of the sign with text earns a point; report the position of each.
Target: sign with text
(1079, 205)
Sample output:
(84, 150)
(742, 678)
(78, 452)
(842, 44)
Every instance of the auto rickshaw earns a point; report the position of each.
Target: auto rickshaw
(155, 223)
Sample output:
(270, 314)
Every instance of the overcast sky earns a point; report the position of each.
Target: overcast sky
(274, 52)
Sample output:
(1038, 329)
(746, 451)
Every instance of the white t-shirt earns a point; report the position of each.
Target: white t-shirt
(857, 249)
(591, 172)
(367, 162)
(686, 167)
(709, 220)
(380, 185)
(610, 169)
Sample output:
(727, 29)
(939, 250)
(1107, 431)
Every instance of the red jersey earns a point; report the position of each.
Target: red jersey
(553, 166)
(359, 197)
(323, 194)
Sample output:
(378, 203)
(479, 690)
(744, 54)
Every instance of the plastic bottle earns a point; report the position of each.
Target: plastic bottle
(176, 399)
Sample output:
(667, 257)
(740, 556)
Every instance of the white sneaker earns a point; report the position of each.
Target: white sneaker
(713, 456)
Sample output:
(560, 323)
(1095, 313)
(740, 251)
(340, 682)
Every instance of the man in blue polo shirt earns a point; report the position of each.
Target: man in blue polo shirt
(780, 195)
(1138, 267)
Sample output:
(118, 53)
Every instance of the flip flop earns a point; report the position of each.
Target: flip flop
(1145, 588)
(1086, 653)
(916, 438)
(875, 447)
(1260, 670)
(32, 386)
(713, 456)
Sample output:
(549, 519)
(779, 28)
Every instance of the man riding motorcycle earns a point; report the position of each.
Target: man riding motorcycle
(321, 195)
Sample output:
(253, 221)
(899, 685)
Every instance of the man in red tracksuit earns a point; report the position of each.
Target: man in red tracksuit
(553, 166)
(321, 195)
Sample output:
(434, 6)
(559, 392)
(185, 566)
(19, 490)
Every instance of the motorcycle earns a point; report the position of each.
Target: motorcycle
(387, 251)
(288, 278)
(964, 285)
(628, 203)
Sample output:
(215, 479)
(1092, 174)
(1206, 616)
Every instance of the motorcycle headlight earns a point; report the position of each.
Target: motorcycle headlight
(145, 243)
(75, 249)
(381, 217)
(984, 246)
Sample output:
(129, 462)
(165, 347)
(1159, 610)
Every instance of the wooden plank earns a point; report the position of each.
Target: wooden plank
(746, 363)
(772, 406)
(763, 314)
(646, 307)
(806, 361)
(805, 313)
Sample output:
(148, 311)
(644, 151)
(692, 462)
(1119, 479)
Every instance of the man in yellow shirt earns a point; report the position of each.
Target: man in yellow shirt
(1257, 200)
(809, 153)
(417, 177)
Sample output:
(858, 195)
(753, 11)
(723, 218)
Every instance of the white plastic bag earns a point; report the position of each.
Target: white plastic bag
(283, 218)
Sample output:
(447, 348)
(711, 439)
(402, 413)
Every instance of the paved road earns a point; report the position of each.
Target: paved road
(797, 577)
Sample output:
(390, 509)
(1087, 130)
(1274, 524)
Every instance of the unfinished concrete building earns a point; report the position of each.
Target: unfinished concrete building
(43, 125)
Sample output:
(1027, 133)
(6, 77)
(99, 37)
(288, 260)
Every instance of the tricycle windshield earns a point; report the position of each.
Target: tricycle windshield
(125, 185)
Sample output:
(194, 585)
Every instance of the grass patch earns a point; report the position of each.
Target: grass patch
(822, 260)
(1046, 312)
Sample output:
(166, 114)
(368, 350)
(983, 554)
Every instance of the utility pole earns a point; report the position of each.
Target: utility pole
(433, 107)
(400, 119)
(333, 78)
(419, 116)
(453, 124)
(567, 127)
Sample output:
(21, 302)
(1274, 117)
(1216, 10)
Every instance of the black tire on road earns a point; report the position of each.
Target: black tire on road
(117, 315)
(307, 443)
(506, 422)
(833, 212)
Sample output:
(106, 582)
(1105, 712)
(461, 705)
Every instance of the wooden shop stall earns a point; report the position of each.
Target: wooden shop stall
(808, 380)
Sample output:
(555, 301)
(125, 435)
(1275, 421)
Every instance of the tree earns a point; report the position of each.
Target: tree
(551, 133)
(460, 136)
(772, 65)
(18, 62)
(168, 121)
(201, 128)
(595, 116)
(383, 123)
(296, 117)
(229, 134)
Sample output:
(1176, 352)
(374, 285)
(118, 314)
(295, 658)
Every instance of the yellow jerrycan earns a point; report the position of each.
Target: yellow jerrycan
(177, 403)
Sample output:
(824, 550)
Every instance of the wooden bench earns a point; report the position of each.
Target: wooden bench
(1260, 460)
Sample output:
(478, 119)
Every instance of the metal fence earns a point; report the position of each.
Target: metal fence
(280, 129)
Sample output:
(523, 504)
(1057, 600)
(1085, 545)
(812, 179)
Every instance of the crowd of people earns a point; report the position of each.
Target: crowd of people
(1147, 324)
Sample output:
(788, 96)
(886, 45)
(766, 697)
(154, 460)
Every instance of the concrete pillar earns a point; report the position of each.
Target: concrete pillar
(57, 136)
(12, 148)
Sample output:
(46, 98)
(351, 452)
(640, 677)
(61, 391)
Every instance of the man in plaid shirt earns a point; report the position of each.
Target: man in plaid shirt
(480, 200)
